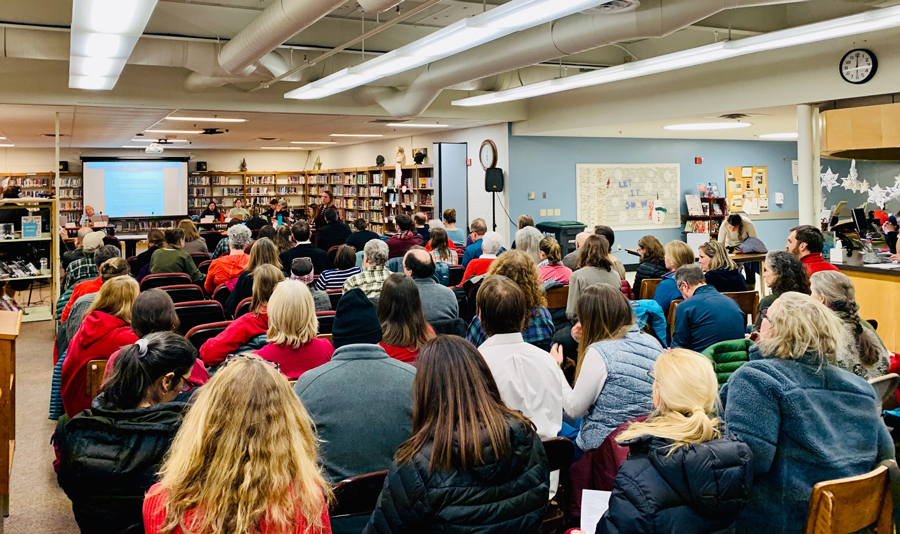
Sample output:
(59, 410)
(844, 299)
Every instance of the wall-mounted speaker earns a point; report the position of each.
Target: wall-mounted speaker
(63, 166)
(493, 180)
(201, 166)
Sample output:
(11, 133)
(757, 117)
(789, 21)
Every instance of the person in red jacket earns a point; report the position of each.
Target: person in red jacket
(491, 244)
(406, 239)
(106, 328)
(806, 243)
(402, 319)
(292, 341)
(249, 325)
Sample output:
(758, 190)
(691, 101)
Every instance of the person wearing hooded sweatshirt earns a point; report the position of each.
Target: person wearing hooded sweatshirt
(109, 455)
(105, 329)
(362, 427)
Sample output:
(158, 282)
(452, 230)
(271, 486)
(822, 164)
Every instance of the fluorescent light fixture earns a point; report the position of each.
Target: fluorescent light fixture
(790, 135)
(314, 142)
(204, 119)
(7, 145)
(161, 141)
(281, 148)
(879, 19)
(702, 126)
(416, 125)
(134, 146)
(356, 135)
(465, 34)
(103, 35)
(186, 132)
(1, 137)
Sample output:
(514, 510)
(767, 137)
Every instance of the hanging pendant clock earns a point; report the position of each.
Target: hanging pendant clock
(487, 154)
(858, 66)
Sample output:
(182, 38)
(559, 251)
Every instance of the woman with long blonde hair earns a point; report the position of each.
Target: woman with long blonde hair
(244, 461)
(719, 269)
(680, 470)
(104, 330)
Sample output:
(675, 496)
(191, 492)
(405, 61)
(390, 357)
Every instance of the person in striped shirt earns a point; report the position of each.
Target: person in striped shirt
(344, 268)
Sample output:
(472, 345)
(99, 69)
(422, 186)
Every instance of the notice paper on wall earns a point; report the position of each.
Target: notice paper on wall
(629, 196)
(593, 505)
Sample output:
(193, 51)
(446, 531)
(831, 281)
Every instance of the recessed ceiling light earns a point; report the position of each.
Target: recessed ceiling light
(134, 146)
(6, 145)
(708, 126)
(414, 125)
(281, 148)
(1, 137)
(356, 135)
(791, 135)
(313, 142)
(204, 119)
(175, 131)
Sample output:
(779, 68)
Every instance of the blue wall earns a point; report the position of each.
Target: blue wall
(881, 173)
(539, 164)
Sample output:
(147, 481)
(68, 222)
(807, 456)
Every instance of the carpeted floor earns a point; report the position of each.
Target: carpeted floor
(36, 503)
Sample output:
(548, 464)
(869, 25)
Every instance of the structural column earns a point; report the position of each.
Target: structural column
(808, 164)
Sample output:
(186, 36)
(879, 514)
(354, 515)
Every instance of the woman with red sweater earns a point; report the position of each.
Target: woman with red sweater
(244, 460)
(292, 341)
(249, 325)
(105, 329)
(402, 319)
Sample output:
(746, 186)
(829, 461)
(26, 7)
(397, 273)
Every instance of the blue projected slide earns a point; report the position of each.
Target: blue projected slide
(134, 193)
(146, 188)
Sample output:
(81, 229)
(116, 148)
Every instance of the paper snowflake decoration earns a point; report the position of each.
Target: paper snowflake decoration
(829, 179)
(879, 196)
(853, 174)
(894, 192)
(850, 184)
(862, 187)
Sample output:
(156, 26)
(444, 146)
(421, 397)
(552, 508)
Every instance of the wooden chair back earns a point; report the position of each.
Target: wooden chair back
(557, 297)
(851, 504)
(748, 301)
(648, 288)
(94, 379)
(670, 315)
(326, 337)
(356, 496)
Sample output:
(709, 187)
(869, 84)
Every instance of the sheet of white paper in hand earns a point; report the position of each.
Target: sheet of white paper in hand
(593, 505)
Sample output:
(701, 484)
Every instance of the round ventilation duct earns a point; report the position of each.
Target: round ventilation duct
(616, 6)
(377, 6)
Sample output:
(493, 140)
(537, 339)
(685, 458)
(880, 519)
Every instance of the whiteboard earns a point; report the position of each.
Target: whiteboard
(629, 196)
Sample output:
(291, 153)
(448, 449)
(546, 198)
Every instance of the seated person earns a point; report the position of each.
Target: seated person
(156, 239)
(238, 211)
(374, 273)
(293, 327)
(706, 316)
(227, 268)
(78, 253)
(551, 267)
(85, 287)
(84, 267)
(402, 319)
(302, 270)
(247, 326)
(263, 251)
(172, 259)
(344, 268)
(193, 243)
(222, 248)
(720, 270)
(109, 455)
(571, 259)
(783, 272)
(405, 239)
(303, 249)
(421, 222)
(491, 243)
(440, 302)
(333, 233)
(85, 219)
(678, 253)
(361, 235)
(595, 266)
(478, 228)
(105, 329)
(441, 248)
(653, 262)
(806, 243)
(457, 236)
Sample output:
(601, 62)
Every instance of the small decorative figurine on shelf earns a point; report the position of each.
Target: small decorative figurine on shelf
(400, 158)
(419, 158)
(243, 165)
(379, 161)
(318, 164)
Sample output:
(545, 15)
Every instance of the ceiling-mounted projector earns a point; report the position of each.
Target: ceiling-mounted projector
(154, 148)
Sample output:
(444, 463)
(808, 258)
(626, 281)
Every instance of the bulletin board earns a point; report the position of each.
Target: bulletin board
(747, 189)
(628, 196)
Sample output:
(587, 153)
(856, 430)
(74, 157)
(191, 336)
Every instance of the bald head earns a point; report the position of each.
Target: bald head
(581, 238)
(82, 232)
(418, 263)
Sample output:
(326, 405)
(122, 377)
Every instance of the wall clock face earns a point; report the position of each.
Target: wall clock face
(858, 66)
(487, 155)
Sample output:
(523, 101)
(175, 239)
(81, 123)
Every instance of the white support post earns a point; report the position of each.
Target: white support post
(807, 163)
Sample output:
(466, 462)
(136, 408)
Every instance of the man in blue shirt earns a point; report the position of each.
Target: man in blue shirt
(478, 228)
(706, 316)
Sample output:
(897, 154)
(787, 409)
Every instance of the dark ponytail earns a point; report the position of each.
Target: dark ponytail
(139, 366)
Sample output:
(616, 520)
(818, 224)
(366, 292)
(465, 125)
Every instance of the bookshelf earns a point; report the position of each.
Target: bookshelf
(43, 185)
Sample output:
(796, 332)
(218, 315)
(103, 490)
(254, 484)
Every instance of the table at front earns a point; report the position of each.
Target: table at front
(878, 296)
(130, 242)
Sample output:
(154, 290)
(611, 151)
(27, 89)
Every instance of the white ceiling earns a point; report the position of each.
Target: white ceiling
(114, 127)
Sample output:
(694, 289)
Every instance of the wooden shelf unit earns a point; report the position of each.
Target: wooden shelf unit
(71, 205)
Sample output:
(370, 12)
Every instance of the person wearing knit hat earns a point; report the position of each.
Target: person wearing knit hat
(302, 270)
(84, 268)
(360, 428)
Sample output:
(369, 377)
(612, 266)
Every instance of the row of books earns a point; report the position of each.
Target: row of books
(30, 182)
(69, 193)
(75, 205)
(260, 180)
(702, 227)
(18, 269)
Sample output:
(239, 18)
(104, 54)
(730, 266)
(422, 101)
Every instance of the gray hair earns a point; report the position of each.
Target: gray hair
(376, 252)
(528, 240)
(833, 287)
(238, 236)
(491, 243)
(691, 274)
(106, 252)
(436, 223)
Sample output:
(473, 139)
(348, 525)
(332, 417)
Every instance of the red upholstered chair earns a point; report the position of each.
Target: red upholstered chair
(164, 279)
(184, 292)
(204, 266)
(201, 333)
(326, 321)
(243, 307)
(221, 294)
(335, 296)
(199, 257)
(198, 312)
(456, 274)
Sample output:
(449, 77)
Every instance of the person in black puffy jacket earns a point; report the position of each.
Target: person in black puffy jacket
(473, 465)
(682, 474)
(653, 262)
(109, 455)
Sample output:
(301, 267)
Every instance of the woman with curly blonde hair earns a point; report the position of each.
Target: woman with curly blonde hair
(243, 461)
(522, 270)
